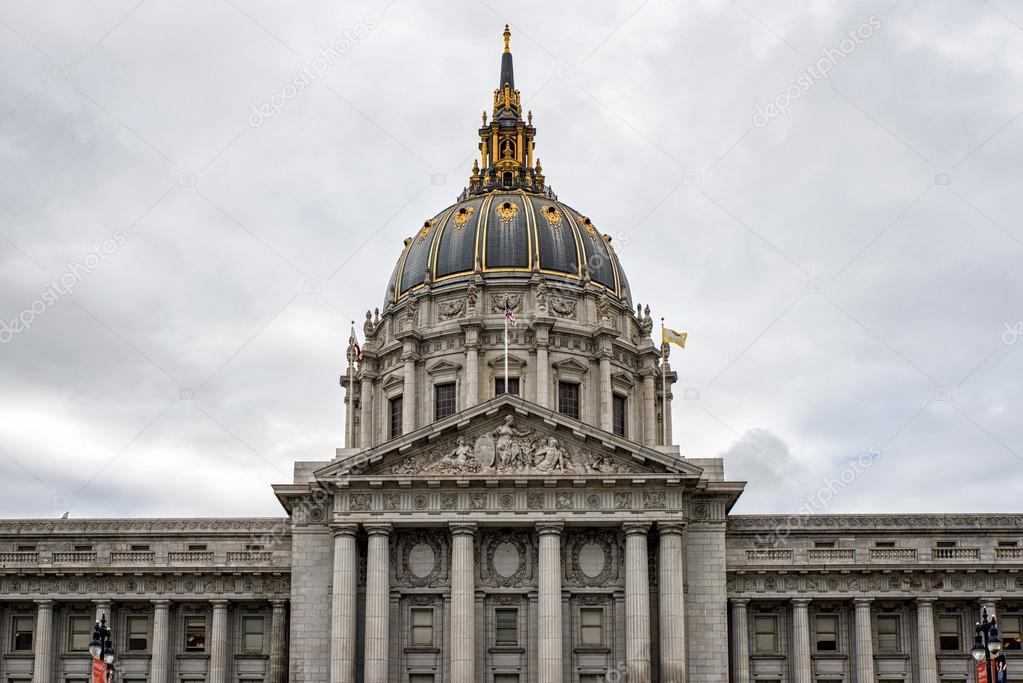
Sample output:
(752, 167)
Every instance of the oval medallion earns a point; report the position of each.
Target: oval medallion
(591, 560)
(506, 560)
(421, 560)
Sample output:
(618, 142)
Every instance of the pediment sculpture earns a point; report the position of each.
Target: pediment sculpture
(508, 449)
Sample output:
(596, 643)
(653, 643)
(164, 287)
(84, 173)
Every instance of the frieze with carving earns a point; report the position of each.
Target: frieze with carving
(563, 307)
(451, 309)
(499, 303)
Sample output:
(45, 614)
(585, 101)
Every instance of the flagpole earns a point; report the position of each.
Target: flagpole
(348, 417)
(664, 390)
(506, 350)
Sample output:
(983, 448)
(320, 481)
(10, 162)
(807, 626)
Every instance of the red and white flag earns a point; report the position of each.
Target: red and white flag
(509, 313)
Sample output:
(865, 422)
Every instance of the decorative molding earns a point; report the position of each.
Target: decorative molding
(987, 523)
(437, 540)
(522, 542)
(604, 539)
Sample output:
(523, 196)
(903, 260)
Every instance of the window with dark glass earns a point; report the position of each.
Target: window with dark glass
(252, 633)
(195, 634)
(79, 633)
(591, 626)
(568, 399)
(765, 634)
(513, 386)
(397, 405)
(443, 400)
(422, 627)
(946, 544)
(592, 678)
(26, 548)
(23, 628)
(83, 548)
(884, 544)
(618, 404)
(888, 633)
(198, 547)
(823, 544)
(136, 547)
(826, 627)
(138, 633)
(948, 633)
(1010, 627)
(506, 626)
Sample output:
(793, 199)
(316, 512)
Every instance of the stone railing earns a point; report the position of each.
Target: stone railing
(1009, 553)
(893, 554)
(190, 557)
(831, 554)
(250, 557)
(19, 558)
(132, 557)
(769, 554)
(955, 553)
(74, 557)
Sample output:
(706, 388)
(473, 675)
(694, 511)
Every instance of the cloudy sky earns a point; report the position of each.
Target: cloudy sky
(184, 240)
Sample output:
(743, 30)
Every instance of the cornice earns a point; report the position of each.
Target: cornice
(881, 523)
(191, 526)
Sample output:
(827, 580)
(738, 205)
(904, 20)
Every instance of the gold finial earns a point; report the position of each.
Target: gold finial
(484, 117)
(530, 117)
(507, 39)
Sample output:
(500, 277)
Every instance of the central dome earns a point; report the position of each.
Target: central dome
(508, 235)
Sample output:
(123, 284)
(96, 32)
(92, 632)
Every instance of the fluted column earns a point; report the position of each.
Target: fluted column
(218, 643)
(740, 641)
(463, 629)
(649, 410)
(366, 412)
(378, 597)
(278, 642)
(408, 415)
(42, 643)
(637, 603)
(342, 606)
(672, 602)
(158, 666)
(605, 392)
(472, 375)
(927, 664)
(864, 642)
(550, 646)
(801, 669)
(543, 388)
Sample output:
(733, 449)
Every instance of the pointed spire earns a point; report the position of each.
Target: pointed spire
(507, 72)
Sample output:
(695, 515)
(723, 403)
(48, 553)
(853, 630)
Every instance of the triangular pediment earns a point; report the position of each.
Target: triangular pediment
(509, 437)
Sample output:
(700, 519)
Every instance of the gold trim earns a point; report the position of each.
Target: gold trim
(462, 216)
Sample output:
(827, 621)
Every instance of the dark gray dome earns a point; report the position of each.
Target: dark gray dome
(508, 235)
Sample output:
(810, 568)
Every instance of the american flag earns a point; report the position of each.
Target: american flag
(509, 313)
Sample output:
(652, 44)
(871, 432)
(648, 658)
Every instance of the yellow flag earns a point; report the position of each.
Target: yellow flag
(673, 337)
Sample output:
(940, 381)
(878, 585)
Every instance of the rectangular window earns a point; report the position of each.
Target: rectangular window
(618, 405)
(443, 400)
(506, 678)
(83, 548)
(422, 627)
(198, 547)
(888, 640)
(765, 634)
(1011, 627)
(138, 548)
(506, 626)
(568, 399)
(420, 678)
(884, 544)
(26, 548)
(397, 405)
(946, 544)
(195, 634)
(513, 386)
(826, 626)
(138, 633)
(591, 626)
(252, 634)
(823, 544)
(23, 628)
(948, 634)
(1008, 544)
(79, 633)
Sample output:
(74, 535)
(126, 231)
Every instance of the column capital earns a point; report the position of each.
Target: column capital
(378, 528)
(219, 603)
(278, 603)
(739, 602)
(863, 602)
(802, 603)
(463, 528)
(926, 600)
(344, 529)
(44, 603)
(672, 526)
(634, 528)
(160, 603)
(550, 528)
(102, 601)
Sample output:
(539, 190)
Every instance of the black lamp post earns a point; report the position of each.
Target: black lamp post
(102, 647)
(986, 642)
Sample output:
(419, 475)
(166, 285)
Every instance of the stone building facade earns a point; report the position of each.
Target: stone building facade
(516, 516)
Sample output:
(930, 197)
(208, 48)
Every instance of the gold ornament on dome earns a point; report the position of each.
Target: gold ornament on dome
(507, 211)
(462, 216)
(424, 232)
(552, 215)
(588, 227)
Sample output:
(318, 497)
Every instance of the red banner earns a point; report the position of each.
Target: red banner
(99, 671)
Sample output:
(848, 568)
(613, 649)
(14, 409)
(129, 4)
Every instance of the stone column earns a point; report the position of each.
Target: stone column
(927, 665)
(649, 410)
(408, 415)
(103, 610)
(801, 667)
(342, 606)
(605, 391)
(42, 643)
(218, 643)
(672, 602)
(550, 646)
(637, 603)
(472, 374)
(378, 596)
(278, 644)
(543, 388)
(366, 412)
(740, 642)
(463, 593)
(159, 665)
(864, 641)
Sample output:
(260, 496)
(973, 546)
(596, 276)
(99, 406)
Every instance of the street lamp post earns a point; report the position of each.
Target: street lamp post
(986, 641)
(101, 647)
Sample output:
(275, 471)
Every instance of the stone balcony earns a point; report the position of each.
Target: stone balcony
(743, 558)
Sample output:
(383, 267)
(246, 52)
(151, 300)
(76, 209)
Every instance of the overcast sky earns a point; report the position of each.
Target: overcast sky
(844, 248)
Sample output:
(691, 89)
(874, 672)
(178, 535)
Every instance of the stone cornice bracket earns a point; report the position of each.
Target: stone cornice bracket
(463, 528)
(344, 529)
(378, 528)
(675, 526)
(926, 599)
(549, 528)
(631, 528)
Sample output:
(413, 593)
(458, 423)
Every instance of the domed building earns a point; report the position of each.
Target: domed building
(510, 507)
